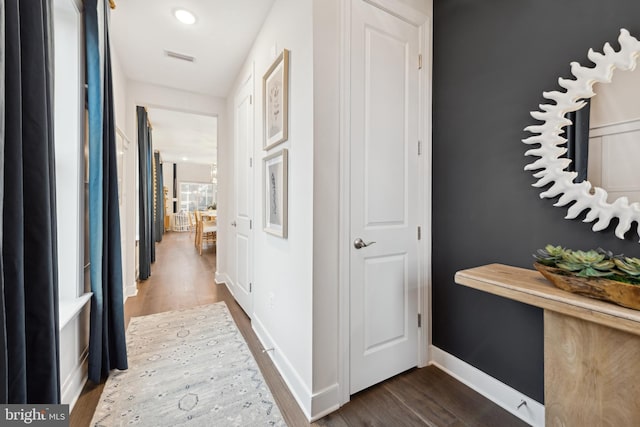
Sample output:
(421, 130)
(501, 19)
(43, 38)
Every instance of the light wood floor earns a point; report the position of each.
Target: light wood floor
(180, 278)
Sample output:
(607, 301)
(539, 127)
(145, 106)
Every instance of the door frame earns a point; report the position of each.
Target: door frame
(248, 78)
(424, 22)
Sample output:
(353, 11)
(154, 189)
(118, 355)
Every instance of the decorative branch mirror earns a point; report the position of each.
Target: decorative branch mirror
(552, 166)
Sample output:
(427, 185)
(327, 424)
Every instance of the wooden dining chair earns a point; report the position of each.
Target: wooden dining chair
(208, 233)
(198, 236)
(192, 222)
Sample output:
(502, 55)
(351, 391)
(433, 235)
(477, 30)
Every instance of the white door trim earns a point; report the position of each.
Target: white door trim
(424, 23)
(237, 291)
(425, 165)
(401, 10)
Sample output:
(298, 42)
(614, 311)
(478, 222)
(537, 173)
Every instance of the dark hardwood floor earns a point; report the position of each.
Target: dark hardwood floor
(420, 397)
(181, 278)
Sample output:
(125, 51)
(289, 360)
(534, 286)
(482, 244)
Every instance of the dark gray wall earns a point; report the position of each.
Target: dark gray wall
(492, 61)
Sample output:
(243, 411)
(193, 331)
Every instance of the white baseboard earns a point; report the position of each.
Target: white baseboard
(221, 278)
(73, 385)
(298, 389)
(132, 290)
(325, 402)
(501, 394)
(224, 279)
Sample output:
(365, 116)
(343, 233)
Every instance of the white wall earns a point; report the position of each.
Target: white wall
(120, 87)
(148, 95)
(283, 267)
(128, 196)
(167, 175)
(193, 172)
(326, 205)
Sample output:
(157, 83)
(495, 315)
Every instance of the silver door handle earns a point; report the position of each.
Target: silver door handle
(359, 243)
(233, 224)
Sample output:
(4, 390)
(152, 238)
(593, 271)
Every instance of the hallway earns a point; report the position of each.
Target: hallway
(420, 397)
(180, 278)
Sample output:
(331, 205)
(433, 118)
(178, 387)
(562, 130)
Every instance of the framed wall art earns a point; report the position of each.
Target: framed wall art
(276, 193)
(275, 96)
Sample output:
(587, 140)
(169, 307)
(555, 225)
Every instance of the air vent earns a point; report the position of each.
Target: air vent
(180, 56)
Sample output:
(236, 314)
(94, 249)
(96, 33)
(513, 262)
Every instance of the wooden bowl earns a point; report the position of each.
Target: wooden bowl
(600, 288)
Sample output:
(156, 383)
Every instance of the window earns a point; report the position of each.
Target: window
(68, 134)
(196, 196)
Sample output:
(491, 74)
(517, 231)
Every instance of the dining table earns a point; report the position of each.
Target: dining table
(209, 215)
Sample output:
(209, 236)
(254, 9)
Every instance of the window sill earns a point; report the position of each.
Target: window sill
(69, 308)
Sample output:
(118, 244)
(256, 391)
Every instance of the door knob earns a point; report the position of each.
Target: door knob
(233, 224)
(359, 243)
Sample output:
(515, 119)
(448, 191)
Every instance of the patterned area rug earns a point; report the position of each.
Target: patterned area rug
(187, 367)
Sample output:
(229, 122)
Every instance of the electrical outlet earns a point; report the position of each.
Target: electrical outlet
(271, 300)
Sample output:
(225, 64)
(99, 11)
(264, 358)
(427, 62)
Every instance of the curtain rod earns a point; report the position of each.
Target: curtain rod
(112, 4)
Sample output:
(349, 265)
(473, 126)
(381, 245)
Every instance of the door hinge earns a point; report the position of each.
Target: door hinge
(250, 224)
(250, 99)
(419, 148)
(250, 162)
(420, 61)
(419, 320)
(419, 232)
(250, 287)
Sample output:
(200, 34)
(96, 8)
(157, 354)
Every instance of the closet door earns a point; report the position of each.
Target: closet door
(384, 177)
(243, 222)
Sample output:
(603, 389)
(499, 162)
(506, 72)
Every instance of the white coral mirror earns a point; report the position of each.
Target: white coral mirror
(610, 140)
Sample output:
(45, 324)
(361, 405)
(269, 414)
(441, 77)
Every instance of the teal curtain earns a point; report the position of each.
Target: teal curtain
(107, 344)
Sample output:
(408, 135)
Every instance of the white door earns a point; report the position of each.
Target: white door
(243, 222)
(384, 196)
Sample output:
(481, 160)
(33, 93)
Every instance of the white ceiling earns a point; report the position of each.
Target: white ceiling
(219, 40)
(142, 30)
(184, 137)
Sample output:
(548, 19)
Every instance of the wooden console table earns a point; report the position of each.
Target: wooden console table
(591, 348)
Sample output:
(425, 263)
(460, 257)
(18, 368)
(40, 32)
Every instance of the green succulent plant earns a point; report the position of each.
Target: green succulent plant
(592, 263)
(550, 255)
(587, 264)
(630, 266)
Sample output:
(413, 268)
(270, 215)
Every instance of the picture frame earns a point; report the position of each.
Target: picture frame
(275, 101)
(275, 199)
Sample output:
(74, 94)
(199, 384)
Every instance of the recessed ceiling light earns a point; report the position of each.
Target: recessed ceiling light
(185, 16)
